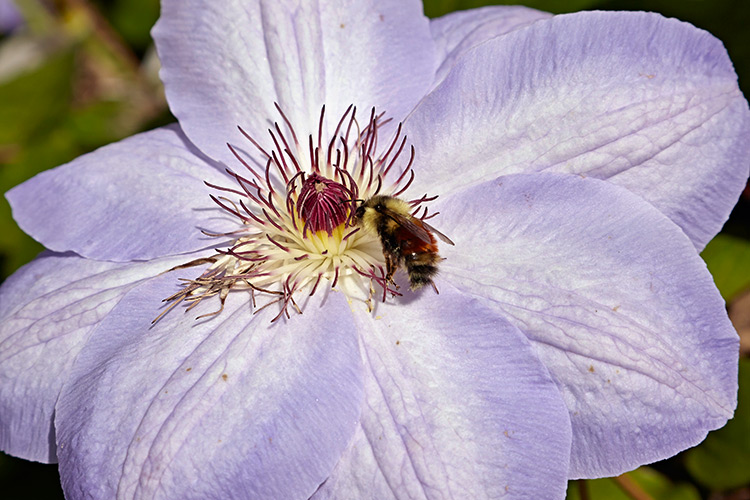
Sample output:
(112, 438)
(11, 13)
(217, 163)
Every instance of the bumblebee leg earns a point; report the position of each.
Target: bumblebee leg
(391, 265)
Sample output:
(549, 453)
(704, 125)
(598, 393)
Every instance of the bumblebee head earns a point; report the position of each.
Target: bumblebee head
(360, 212)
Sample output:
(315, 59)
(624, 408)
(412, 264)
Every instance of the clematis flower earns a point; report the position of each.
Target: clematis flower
(210, 321)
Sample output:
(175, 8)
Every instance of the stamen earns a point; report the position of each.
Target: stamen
(288, 124)
(320, 128)
(241, 160)
(295, 215)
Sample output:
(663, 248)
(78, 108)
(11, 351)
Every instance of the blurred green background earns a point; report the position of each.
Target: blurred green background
(78, 74)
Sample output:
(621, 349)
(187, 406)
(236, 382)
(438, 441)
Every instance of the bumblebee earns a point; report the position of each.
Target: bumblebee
(406, 240)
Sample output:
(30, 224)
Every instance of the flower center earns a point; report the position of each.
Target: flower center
(322, 203)
(296, 207)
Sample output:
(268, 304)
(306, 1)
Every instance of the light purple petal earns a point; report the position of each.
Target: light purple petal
(10, 17)
(140, 198)
(230, 406)
(457, 32)
(651, 104)
(457, 405)
(47, 312)
(224, 64)
(619, 306)
(358, 475)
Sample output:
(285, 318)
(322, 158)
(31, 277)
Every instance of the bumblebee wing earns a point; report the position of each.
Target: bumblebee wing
(407, 222)
(438, 234)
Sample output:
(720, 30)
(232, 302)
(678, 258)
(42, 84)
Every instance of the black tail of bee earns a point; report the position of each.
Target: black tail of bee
(420, 274)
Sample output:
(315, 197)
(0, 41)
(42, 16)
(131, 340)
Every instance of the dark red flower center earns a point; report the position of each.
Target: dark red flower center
(322, 203)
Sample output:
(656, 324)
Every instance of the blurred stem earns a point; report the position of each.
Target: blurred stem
(111, 71)
(631, 488)
(89, 18)
(583, 489)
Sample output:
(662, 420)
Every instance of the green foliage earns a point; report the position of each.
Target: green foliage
(133, 20)
(722, 461)
(645, 480)
(36, 98)
(435, 8)
(728, 259)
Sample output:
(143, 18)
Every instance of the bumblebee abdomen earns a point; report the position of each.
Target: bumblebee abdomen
(414, 259)
(420, 274)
